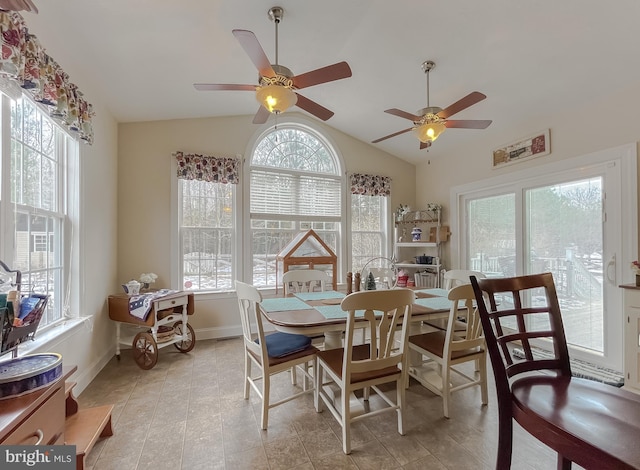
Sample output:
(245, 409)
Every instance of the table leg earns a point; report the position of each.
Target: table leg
(118, 339)
(332, 339)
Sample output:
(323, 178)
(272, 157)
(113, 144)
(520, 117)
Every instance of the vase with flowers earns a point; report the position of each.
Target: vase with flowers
(146, 279)
(635, 267)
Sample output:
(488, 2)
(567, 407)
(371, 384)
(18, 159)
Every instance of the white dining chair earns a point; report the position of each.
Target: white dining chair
(451, 279)
(304, 280)
(270, 354)
(447, 349)
(456, 277)
(363, 366)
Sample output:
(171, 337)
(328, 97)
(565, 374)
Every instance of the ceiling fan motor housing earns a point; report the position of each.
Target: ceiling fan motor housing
(428, 114)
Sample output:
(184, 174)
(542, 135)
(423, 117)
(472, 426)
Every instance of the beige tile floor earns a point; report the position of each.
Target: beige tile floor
(188, 412)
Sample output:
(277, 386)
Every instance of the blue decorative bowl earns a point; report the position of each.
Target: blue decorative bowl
(29, 373)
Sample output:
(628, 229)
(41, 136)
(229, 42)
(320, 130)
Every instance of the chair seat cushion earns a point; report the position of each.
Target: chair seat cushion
(282, 344)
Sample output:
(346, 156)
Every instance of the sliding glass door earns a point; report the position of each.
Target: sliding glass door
(563, 235)
(564, 222)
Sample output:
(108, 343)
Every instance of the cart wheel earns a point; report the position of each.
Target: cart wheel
(185, 345)
(145, 351)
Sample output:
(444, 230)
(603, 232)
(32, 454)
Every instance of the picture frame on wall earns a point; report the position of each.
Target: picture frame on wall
(532, 146)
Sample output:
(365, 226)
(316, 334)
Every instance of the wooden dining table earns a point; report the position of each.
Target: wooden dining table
(313, 313)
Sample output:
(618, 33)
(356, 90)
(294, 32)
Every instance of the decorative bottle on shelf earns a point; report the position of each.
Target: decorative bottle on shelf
(349, 282)
(356, 284)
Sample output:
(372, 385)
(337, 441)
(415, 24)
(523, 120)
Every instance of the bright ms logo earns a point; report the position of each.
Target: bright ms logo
(37, 457)
(28, 458)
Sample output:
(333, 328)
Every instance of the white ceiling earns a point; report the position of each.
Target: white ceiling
(529, 57)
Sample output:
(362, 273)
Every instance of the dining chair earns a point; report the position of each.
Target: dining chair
(360, 367)
(448, 350)
(271, 354)
(456, 277)
(452, 278)
(304, 280)
(590, 423)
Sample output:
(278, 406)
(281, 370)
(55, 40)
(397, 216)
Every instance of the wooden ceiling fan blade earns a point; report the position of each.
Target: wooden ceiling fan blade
(469, 100)
(391, 135)
(261, 116)
(467, 124)
(425, 145)
(314, 108)
(402, 114)
(326, 74)
(223, 86)
(18, 5)
(254, 50)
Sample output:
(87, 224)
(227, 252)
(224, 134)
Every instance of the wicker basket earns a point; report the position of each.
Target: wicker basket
(165, 333)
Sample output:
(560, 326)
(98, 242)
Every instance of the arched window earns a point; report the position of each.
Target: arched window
(295, 185)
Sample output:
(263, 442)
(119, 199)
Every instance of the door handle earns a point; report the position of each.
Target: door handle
(611, 264)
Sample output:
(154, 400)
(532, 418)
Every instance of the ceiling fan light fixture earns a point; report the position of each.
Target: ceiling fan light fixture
(276, 98)
(429, 131)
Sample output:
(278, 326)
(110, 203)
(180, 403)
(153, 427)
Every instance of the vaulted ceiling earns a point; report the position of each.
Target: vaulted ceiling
(529, 57)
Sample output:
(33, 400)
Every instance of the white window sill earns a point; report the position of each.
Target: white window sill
(55, 333)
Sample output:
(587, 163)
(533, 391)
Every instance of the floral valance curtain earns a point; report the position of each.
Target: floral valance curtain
(370, 185)
(24, 64)
(207, 168)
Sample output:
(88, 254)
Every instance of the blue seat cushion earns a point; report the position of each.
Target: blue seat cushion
(282, 344)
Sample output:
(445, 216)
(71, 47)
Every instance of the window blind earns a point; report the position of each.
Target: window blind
(299, 195)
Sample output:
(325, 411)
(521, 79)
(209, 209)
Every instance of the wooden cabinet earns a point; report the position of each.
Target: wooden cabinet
(631, 295)
(51, 416)
(406, 249)
(36, 418)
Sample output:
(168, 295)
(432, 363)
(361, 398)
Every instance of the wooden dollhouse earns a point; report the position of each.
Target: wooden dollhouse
(307, 251)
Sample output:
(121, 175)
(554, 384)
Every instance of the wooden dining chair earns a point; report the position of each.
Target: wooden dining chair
(304, 280)
(363, 366)
(448, 350)
(270, 354)
(592, 424)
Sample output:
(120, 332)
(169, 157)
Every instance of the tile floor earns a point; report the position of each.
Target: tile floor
(188, 413)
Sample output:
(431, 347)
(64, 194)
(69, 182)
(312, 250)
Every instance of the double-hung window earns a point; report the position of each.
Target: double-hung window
(369, 227)
(206, 213)
(36, 198)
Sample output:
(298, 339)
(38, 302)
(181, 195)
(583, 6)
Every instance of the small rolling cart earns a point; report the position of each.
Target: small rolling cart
(20, 314)
(165, 324)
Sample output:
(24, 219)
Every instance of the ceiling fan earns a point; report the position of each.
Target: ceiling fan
(431, 121)
(18, 5)
(277, 88)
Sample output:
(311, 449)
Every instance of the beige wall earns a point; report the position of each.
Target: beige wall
(144, 182)
(590, 127)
